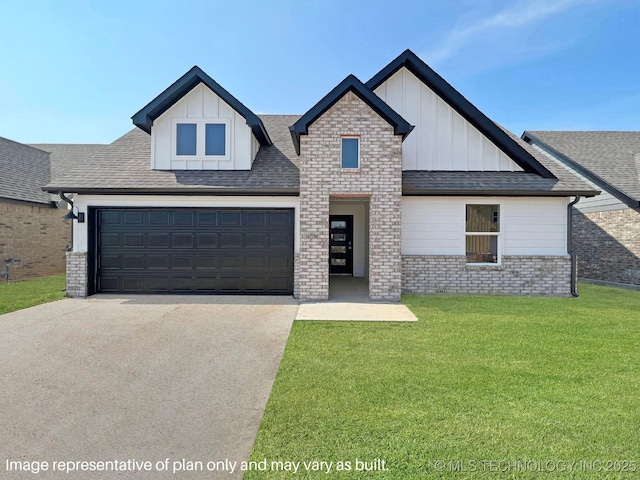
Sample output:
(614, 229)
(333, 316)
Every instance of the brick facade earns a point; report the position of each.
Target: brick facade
(608, 245)
(379, 179)
(518, 275)
(38, 236)
(77, 274)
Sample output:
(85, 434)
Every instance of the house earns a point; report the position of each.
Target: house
(32, 228)
(606, 228)
(400, 180)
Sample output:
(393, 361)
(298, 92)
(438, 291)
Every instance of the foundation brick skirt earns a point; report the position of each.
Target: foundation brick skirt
(518, 275)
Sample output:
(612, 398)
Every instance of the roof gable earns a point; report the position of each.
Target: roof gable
(466, 109)
(349, 84)
(144, 118)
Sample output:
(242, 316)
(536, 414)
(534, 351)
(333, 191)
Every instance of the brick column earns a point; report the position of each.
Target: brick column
(77, 274)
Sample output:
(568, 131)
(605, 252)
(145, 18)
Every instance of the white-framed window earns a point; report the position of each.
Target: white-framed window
(482, 233)
(201, 139)
(350, 152)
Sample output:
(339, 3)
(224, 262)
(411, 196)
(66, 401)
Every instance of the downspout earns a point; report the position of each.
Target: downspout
(572, 254)
(63, 197)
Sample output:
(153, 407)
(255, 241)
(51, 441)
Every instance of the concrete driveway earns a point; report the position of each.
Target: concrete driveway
(157, 379)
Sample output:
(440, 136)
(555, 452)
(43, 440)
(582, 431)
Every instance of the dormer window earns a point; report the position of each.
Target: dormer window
(186, 138)
(201, 139)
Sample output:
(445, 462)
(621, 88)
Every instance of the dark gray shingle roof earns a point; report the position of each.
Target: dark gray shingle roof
(610, 156)
(23, 171)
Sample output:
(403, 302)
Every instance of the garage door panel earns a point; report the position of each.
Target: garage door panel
(195, 250)
(207, 240)
(158, 240)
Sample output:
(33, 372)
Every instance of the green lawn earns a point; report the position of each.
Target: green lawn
(19, 295)
(476, 386)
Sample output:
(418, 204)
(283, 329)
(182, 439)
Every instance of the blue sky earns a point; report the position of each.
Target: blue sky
(75, 71)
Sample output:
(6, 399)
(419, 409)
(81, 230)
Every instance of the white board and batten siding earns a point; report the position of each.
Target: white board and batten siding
(201, 103)
(600, 203)
(442, 139)
(529, 226)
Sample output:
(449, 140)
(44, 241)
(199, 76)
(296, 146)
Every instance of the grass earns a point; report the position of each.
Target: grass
(19, 295)
(476, 380)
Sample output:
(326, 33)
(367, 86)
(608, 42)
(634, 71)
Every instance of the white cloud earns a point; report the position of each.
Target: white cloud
(515, 17)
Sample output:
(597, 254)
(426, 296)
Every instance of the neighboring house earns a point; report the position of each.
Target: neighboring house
(32, 228)
(606, 228)
(400, 180)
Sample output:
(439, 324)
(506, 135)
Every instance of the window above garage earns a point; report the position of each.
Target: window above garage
(201, 140)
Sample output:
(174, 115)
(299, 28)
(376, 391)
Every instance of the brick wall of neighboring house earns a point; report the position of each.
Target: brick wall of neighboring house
(608, 245)
(379, 179)
(518, 275)
(38, 236)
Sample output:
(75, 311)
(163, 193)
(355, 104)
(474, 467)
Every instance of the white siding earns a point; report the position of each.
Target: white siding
(442, 139)
(83, 202)
(202, 104)
(600, 203)
(529, 226)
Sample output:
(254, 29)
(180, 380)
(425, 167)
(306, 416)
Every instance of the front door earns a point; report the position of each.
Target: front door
(341, 244)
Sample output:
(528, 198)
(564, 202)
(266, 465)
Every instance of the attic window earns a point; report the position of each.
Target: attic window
(200, 140)
(186, 138)
(215, 139)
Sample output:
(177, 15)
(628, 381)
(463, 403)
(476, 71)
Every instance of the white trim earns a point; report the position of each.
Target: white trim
(349, 169)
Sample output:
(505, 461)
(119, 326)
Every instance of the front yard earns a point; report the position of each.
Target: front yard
(480, 387)
(19, 295)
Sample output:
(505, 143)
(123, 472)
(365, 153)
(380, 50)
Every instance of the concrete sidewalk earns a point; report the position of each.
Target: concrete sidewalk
(349, 301)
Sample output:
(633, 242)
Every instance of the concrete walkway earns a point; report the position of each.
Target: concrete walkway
(349, 301)
(148, 378)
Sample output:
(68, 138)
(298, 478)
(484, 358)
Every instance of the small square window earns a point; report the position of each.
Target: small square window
(350, 152)
(215, 139)
(186, 137)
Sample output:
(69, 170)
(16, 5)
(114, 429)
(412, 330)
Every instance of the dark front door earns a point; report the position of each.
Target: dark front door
(341, 244)
(194, 250)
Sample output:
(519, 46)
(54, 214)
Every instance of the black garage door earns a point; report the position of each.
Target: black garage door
(194, 250)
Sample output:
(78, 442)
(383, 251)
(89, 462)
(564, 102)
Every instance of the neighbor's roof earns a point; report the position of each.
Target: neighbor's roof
(611, 160)
(23, 171)
(124, 166)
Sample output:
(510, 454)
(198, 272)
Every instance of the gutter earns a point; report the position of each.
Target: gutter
(572, 254)
(66, 199)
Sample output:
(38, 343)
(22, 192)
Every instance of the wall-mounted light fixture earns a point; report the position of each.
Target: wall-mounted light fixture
(75, 214)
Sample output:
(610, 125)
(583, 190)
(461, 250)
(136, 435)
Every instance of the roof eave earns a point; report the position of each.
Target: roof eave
(408, 191)
(226, 191)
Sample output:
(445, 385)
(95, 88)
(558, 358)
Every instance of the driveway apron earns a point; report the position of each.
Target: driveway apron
(178, 382)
